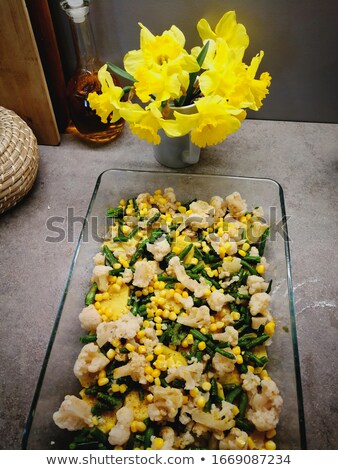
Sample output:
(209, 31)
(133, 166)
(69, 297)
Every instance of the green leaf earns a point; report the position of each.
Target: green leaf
(185, 100)
(120, 72)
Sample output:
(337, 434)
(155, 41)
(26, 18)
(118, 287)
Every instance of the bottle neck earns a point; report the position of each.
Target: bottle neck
(84, 44)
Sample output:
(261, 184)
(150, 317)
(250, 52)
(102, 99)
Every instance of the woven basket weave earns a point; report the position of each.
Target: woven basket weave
(18, 159)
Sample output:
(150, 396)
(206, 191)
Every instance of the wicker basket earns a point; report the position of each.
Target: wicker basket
(18, 159)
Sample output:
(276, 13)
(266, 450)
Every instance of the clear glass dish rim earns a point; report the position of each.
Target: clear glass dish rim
(301, 416)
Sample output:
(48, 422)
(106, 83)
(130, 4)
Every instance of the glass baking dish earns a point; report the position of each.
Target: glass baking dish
(57, 378)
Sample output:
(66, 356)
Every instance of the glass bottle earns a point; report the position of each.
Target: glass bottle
(85, 122)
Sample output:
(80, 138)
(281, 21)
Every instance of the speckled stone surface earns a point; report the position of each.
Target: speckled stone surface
(302, 157)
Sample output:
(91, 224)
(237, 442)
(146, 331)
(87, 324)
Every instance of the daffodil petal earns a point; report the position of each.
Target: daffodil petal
(204, 30)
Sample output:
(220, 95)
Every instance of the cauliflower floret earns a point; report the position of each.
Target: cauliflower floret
(99, 259)
(144, 273)
(257, 321)
(236, 205)
(198, 287)
(223, 365)
(201, 216)
(127, 326)
(230, 335)
(254, 251)
(168, 435)
(89, 362)
(187, 302)
(73, 414)
(90, 318)
(159, 249)
(196, 317)
(120, 433)
(259, 303)
(256, 231)
(169, 194)
(230, 267)
(150, 340)
(235, 440)
(144, 198)
(134, 368)
(190, 374)
(166, 403)
(184, 440)
(127, 276)
(100, 276)
(219, 205)
(217, 420)
(250, 382)
(217, 300)
(256, 284)
(265, 406)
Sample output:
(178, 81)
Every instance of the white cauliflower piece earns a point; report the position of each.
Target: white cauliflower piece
(169, 194)
(258, 212)
(127, 326)
(236, 205)
(134, 368)
(166, 403)
(191, 374)
(144, 198)
(229, 335)
(120, 433)
(256, 284)
(201, 216)
(187, 302)
(196, 317)
(99, 259)
(144, 273)
(90, 318)
(89, 362)
(168, 435)
(256, 230)
(217, 300)
(235, 440)
(100, 276)
(73, 414)
(127, 276)
(254, 251)
(259, 303)
(198, 287)
(184, 440)
(159, 249)
(250, 382)
(229, 267)
(264, 263)
(150, 340)
(223, 365)
(219, 205)
(257, 321)
(265, 406)
(243, 290)
(217, 420)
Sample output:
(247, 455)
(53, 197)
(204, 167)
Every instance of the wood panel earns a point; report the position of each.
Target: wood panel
(23, 86)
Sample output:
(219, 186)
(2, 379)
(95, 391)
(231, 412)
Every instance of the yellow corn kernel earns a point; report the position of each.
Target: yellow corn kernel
(141, 427)
(145, 292)
(206, 386)
(148, 370)
(129, 211)
(220, 324)
(104, 318)
(95, 421)
(270, 445)
(213, 327)
(264, 375)
(159, 332)
(201, 345)
(251, 369)
(207, 293)
(116, 343)
(194, 392)
(242, 252)
(182, 209)
(116, 288)
(246, 246)
(103, 381)
(235, 315)
(203, 330)
(235, 410)
(150, 289)
(158, 443)
(240, 442)
(236, 350)
(156, 373)
(102, 374)
(260, 268)
(111, 354)
(115, 388)
(150, 398)
(239, 359)
(111, 279)
(157, 319)
(269, 328)
(122, 202)
(133, 426)
(123, 388)
(157, 381)
(97, 305)
(206, 249)
(270, 434)
(150, 357)
(251, 443)
(185, 400)
(130, 347)
(98, 297)
(149, 378)
(141, 349)
(105, 296)
(158, 349)
(116, 265)
(184, 343)
(172, 316)
(200, 402)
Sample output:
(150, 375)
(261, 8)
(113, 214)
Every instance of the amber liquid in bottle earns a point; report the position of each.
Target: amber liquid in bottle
(85, 122)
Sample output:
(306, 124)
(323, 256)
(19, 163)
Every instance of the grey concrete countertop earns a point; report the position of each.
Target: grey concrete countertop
(302, 157)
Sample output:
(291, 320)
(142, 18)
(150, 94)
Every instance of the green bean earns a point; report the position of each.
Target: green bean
(255, 360)
(252, 259)
(115, 213)
(162, 277)
(132, 233)
(242, 405)
(245, 425)
(88, 338)
(262, 243)
(230, 397)
(90, 296)
(198, 254)
(147, 437)
(153, 219)
(198, 335)
(185, 251)
(268, 290)
(248, 267)
(109, 400)
(257, 341)
(225, 353)
(198, 268)
(109, 255)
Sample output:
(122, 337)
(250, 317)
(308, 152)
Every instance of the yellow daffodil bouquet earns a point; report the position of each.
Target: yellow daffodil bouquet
(212, 79)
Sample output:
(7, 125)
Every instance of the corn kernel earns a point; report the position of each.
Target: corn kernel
(239, 359)
(157, 381)
(98, 297)
(251, 443)
(200, 402)
(269, 328)
(236, 350)
(150, 357)
(194, 392)
(97, 305)
(115, 388)
(130, 347)
(213, 327)
(111, 354)
(116, 288)
(251, 369)
(102, 374)
(158, 319)
(158, 349)
(172, 316)
(242, 252)
(159, 332)
(103, 381)
(133, 426)
(95, 421)
(141, 427)
(220, 324)
(246, 246)
(123, 388)
(116, 343)
(270, 434)
(235, 410)
(240, 442)
(122, 202)
(207, 293)
(235, 315)
(201, 345)
(184, 343)
(206, 386)
(270, 445)
(150, 398)
(158, 443)
(116, 265)
(104, 318)
(203, 330)
(260, 268)
(149, 378)
(182, 209)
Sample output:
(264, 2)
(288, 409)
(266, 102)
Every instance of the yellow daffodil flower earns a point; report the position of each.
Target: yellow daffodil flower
(145, 123)
(258, 87)
(109, 100)
(162, 65)
(211, 124)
